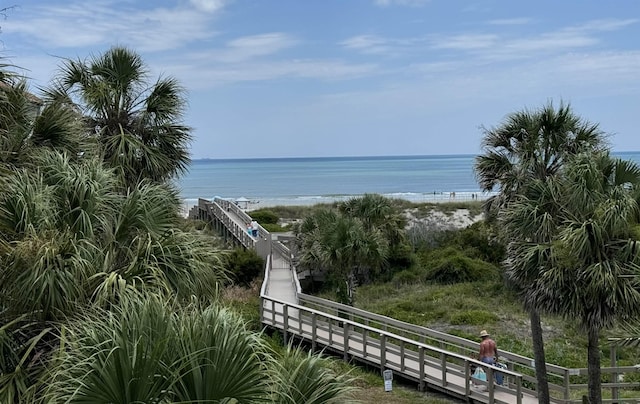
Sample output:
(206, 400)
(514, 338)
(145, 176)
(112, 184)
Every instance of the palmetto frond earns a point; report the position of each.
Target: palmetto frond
(533, 144)
(22, 345)
(26, 205)
(46, 273)
(153, 352)
(114, 356)
(307, 378)
(215, 359)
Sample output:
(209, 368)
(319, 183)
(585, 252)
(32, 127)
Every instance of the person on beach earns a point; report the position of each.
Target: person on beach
(489, 352)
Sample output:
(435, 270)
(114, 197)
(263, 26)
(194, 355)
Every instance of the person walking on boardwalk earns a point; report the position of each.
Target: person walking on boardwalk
(489, 352)
(254, 228)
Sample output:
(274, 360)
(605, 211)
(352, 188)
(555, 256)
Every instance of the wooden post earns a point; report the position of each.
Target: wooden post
(285, 318)
(383, 351)
(330, 331)
(345, 343)
(421, 368)
(567, 383)
(490, 383)
(402, 356)
(365, 334)
(443, 366)
(314, 331)
(467, 378)
(262, 311)
(614, 376)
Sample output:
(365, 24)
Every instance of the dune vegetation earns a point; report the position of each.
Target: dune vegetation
(106, 294)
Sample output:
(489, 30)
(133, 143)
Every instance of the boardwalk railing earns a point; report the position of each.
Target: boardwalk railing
(428, 365)
(565, 384)
(429, 357)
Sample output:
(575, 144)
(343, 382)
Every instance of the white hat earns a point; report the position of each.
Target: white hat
(484, 333)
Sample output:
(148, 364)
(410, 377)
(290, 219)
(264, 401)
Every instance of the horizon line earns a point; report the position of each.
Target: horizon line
(362, 156)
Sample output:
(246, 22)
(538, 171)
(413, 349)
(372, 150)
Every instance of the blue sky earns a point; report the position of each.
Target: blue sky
(298, 78)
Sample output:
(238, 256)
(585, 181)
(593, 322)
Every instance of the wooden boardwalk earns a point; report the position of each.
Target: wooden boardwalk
(432, 359)
(430, 367)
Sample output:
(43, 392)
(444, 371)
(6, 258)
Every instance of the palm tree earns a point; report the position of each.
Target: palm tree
(529, 146)
(378, 213)
(70, 240)
(137, 123)
(586, 266)
(532, 144)
(343, 246)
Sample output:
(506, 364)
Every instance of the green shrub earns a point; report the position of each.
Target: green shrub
(406, 277)
(450, 265)
(473, 317)
(401, 257)
(275, 228)
(479, 241)
(244, 266)
(264, 217)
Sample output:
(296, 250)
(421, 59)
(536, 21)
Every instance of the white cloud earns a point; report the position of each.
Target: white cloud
(247, 47)
(466, 41)
(209, 5)
(370, 44)
(610, 24)
(207, 74)
(510, 21)
(377, 45)
(74, 25)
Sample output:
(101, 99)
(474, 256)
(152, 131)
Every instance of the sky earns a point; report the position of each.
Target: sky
(320, 78)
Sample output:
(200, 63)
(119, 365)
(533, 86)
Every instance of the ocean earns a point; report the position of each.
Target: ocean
(305, 181)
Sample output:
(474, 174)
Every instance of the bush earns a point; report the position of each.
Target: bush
(450, 265)
(406, 277)
(274, 228)
(480, 238)
(244, 266)
(264, 216)
(401, 257)
(473, 317)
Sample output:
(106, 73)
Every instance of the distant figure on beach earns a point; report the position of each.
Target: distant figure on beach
(452, 195)
(254, 228)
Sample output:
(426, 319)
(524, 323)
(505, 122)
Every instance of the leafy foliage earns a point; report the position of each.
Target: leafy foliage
(478, 240)
(360, 239)
(264, 216)
(450, 265)
(474, 317)
(244, 266)
(307, 378)
(153, 351)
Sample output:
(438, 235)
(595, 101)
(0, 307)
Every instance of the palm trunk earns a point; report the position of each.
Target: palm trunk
(593, 364)
(538, 355)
